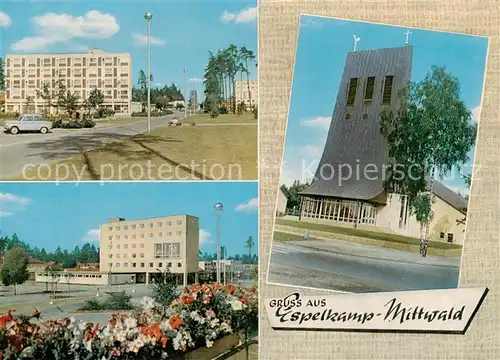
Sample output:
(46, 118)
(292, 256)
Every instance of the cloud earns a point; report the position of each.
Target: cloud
(142, 40)
(475, 113)
(195, 79)
(52, 28)
(205, 237)
(11, 204)
(247, 15)
(319, 122)
(6, 198)
(300, 162)
(91, 236)
(249, 206)
(5, 20)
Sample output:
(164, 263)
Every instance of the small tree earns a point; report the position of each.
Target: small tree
(431, 130)
(249, 243)
(163, 288)
(29, 103)
(95, 99)
(15, 268)
(69, 101)
(68, 276)
(46, 94)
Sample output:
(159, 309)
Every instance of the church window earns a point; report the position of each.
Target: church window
(387, 90)
(351, 91)
(450, 238)
(370, 85)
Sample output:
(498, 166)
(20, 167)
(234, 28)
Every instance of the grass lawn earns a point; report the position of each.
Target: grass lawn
(171, 153)
(359, 233)
(227, 118)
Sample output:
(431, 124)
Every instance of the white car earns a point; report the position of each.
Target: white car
(28, 122)
(174, 122)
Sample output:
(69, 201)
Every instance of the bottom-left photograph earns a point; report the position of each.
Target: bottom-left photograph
(120, 270)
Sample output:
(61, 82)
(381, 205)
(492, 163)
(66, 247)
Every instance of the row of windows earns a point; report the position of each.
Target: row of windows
(369, 89)
(450, 237)
(125, 256)
(67, 61)
(125, 246)
(142, 226)
(151, 265)
(142, 236)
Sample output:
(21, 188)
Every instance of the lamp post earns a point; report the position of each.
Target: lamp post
(218, 208)
(148, 16)
(185, 94)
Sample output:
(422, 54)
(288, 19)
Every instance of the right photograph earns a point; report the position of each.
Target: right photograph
(378, 157)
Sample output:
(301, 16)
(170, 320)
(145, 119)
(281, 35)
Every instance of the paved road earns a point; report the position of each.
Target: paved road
(34, 149)
(342, 266)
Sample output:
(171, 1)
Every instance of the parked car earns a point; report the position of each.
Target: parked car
(28, 122)
(174, 122)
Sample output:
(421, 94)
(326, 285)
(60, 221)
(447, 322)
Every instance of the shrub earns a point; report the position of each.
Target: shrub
(57, 123)
(164, 288)
(118, 301)
(255, 112)
(86, 123)
(91, 304)
(162, 112)
(104, 113)
(223, 110)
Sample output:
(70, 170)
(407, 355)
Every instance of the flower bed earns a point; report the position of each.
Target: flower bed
(205, 321)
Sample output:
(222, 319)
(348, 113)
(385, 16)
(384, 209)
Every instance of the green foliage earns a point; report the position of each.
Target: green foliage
(104, 113)
(292, 193)
(164, 290)
(431, 131)
(95, 99)
(241, 108)
(249, 245)
(114, 301)
(256, 112)
(422, 208)
(153, 113)
(15, 264)
(179, 106)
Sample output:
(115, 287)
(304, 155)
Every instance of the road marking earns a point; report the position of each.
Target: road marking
(281, 249)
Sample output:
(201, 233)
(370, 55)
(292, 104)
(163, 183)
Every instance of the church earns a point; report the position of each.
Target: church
(347, 188)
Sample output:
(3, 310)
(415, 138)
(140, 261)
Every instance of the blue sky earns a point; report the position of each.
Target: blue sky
(50, 215)
(321, 52)
(182, 31)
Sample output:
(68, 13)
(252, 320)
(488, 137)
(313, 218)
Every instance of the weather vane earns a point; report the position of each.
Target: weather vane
(407, 33)
(356, 39)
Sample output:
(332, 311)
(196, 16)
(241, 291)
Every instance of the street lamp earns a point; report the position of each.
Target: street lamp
(148, 16)
(218, 208)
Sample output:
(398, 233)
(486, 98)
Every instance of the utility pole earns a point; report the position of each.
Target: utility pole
(148, 16)
(185, 99)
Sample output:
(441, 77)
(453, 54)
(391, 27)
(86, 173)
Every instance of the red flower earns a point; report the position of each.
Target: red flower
(37, 315)
(9, 316)
(242, 299)
(230, 288)
(175, 322)
(123, 316)
(187, 299)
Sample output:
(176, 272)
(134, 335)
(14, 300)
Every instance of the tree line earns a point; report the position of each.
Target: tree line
(159, 96)
(88, 253)
(220, 74)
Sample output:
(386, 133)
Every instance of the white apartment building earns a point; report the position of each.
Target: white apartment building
(80, 73)
(242, 94)
(142, 247)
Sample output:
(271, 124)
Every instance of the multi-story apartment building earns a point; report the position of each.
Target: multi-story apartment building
(242, 93)
(79, 73)
(142, 247)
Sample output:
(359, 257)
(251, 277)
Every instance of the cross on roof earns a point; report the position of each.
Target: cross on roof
(407, 33)
(356, 39)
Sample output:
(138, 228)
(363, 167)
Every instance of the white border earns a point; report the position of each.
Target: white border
(286, 127)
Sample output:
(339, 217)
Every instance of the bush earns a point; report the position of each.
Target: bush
(73, 124)
(104, 113)
(57, 123)
(87, 123)
(223, 110)
(118, 301)
(91, 304)
(115, 301)
(164, 288)
(255, 112)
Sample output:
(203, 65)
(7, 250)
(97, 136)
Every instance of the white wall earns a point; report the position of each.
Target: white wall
(282, 201)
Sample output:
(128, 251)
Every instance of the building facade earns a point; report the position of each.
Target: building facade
(142, 247)
(246, 92)
(348, 187)
(79, 73)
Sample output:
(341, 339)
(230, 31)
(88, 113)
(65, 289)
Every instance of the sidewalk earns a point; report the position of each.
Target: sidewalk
(370, 252)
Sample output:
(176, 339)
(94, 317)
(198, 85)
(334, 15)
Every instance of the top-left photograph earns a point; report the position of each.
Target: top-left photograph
(111, 91)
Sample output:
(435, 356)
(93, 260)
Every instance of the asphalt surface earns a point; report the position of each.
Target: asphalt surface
(343, 266)
(37, 149)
